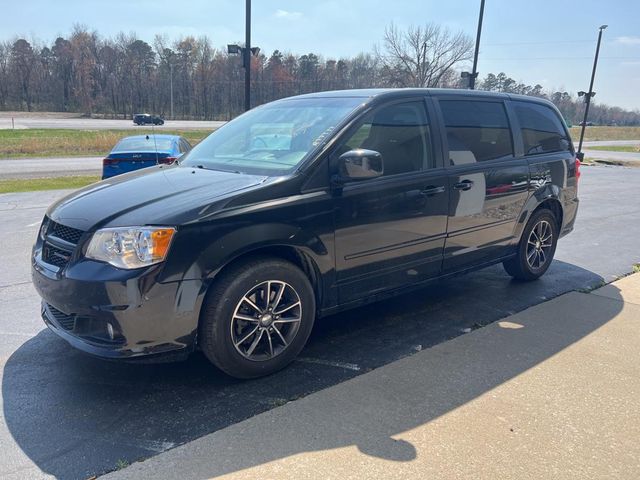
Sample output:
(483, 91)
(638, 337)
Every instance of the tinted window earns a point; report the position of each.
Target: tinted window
(476, 130)
(542, 130)
(400, 132)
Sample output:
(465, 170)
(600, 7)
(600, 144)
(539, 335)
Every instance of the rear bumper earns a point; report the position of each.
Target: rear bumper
(118, 314)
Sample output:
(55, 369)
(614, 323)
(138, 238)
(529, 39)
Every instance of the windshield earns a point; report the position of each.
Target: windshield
(143, 144)
(273, 139)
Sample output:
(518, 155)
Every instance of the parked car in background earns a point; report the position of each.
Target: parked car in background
(299, 209)
(147, 119)
(142, 151)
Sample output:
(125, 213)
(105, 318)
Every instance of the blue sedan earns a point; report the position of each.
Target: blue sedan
(141, 151)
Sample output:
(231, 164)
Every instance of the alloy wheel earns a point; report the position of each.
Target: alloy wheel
(539, 245)
(266, 320)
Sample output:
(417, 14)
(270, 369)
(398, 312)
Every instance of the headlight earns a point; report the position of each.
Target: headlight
(130, 247)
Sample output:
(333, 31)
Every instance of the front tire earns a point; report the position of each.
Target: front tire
(536, 248)
(257, 317)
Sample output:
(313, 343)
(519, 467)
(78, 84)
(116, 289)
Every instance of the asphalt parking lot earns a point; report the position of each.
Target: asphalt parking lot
(70, 416)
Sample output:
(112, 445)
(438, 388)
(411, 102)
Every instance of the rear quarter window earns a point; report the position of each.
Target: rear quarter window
(476, 130)
(541, 127)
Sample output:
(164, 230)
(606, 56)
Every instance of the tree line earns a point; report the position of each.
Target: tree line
(120, 76)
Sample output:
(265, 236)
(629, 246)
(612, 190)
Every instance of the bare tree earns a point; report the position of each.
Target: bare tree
(422, 56)
(5, 54)
(124, 74)
(23, 59)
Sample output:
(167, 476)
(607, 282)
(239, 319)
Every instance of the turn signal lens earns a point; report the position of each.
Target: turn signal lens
(160, 241)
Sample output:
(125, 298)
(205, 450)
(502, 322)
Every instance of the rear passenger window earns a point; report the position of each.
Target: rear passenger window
(542, 130)
(476, 131)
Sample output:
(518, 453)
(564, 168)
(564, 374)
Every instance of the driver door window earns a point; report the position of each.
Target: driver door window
(400, 133)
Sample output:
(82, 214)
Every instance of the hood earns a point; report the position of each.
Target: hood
(162, 195)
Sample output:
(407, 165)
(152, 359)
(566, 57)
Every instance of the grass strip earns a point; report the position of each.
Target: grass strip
(593, 134)
(617, 148)
(43, 142)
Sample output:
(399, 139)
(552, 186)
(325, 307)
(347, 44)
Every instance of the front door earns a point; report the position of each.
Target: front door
(390, 231)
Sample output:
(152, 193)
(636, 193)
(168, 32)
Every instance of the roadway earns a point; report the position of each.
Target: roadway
(69, 416)
(21, 121)
(49, 167)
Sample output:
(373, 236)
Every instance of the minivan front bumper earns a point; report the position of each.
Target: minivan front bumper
(114, 313)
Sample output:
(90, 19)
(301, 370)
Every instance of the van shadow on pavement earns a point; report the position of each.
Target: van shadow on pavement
(75, 416)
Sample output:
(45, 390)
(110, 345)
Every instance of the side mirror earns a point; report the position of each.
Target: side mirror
(360, 164)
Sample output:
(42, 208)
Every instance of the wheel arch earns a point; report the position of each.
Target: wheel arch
(293, 254)
(548, 199)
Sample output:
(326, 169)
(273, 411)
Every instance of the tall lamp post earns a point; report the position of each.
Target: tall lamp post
(247, 52)
(471, 77)
(474, 73)
(588, 95)
(171, 86)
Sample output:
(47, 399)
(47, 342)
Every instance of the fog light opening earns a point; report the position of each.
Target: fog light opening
(110, 331)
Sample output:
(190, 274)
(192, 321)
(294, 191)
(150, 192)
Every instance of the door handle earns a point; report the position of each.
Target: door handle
(463, 185)
(431, 190)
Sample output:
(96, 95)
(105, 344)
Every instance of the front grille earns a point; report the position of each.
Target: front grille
(68, 234)
(59, 242)
(55, 256)
(65, 321)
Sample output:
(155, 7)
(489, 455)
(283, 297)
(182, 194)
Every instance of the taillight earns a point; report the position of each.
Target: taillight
(110, 161)
(167, 160)
(578, 169)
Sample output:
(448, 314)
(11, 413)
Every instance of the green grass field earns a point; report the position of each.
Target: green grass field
(618, 148)
(67, 143)
(73, 143)
(606, 133)
(34, 184)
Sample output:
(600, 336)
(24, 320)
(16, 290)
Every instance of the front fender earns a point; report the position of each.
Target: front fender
(251, 238)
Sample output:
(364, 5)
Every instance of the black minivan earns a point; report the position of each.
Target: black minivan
(298, 209)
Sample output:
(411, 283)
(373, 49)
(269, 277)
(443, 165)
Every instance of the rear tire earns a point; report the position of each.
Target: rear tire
(536, 248)
(257, 317)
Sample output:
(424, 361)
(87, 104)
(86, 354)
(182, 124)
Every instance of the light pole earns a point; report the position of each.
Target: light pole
(247, 56)
(471, 77)
(171, 87)
(474, 73)
(247, 52)
(588, 95)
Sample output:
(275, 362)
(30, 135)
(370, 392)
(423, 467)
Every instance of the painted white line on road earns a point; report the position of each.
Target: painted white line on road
(34, 224)
(15, 284)
(17, 334)
(156, 446)
(329, 363)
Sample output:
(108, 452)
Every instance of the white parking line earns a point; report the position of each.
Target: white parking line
(330, 363)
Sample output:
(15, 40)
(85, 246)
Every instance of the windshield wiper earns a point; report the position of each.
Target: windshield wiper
(202, 167)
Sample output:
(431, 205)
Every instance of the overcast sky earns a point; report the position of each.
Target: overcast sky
(550, 42)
